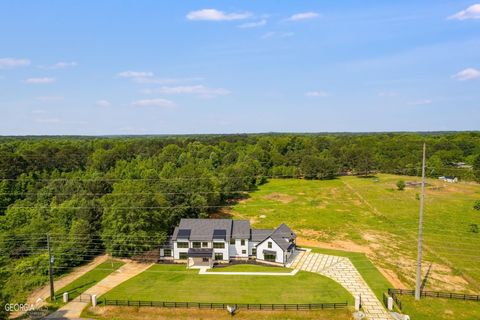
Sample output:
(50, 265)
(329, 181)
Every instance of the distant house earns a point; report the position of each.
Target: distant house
(450, 179)
(203, 242)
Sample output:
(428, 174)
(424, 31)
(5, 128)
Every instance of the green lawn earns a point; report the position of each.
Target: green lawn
(89, 279)
(250, 268)
(175, 283)
(440, 309)
(375, 280)
(370, 214)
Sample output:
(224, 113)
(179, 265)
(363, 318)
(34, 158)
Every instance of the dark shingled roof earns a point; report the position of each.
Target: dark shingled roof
(200, 253)
(259, 235)
(202, 229)
(282, 236)
(241, 229)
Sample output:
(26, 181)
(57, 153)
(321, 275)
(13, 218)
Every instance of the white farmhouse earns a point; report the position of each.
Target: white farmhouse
(203, 242)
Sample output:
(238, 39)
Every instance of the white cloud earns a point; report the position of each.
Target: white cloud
(472, 12)
(420, 102)
(321, 94)
(145, 77)
(467, 74)
(272, 34)
(303, 16)
(256, 24)
(216, 15)
(44, 80)
(159, 102)
(135, 74)
(103, 103)
(49, 98)
(198, 90)
(61, 65)
(8, 63)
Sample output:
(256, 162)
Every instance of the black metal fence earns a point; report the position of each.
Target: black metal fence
(435, 294)
(206, 305)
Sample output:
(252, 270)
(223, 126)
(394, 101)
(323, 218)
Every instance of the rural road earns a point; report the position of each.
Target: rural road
(73, 309)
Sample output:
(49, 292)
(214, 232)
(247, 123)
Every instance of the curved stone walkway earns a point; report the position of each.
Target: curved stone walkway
(344, 272)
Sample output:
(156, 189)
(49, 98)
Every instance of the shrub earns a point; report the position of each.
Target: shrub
(476, 206)
(400, 185)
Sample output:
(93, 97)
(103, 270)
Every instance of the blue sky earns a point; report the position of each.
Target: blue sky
(157, 67)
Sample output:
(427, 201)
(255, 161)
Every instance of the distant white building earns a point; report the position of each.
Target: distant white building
(203, 242)
(450, 179)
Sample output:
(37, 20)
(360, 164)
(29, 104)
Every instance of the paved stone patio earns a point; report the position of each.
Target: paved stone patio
(344, 272)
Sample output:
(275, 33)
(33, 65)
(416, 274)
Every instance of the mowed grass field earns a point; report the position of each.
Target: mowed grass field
(370, 215)
(88, 280)
(176, 283)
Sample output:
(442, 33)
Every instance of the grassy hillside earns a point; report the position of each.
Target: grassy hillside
(370, 215)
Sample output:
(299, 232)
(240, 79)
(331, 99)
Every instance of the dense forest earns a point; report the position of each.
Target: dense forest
(123, 195)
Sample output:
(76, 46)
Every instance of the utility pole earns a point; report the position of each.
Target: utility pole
(420, 233)
(50, 269)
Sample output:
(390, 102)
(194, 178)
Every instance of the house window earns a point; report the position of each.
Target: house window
(269, 245)
(254, 251)
(243, 242)
(204, 244)
(269, 257)
(219, 245)
(244, 251)
(196, 245)
(167, 252)
(232, 241)
(182, 244)
(183, 256)
(205, 259)
(218, 256)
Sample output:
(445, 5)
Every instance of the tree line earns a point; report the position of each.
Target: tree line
(95, 195)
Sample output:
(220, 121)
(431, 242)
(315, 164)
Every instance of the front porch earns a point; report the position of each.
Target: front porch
(200, 258)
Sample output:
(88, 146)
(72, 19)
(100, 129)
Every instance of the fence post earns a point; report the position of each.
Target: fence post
(94, 300)
(357, 303)
(390, 303)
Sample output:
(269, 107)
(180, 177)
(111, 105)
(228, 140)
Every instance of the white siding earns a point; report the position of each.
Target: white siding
(236, 250)
(224, 251)
(279, 258)
(176, 250)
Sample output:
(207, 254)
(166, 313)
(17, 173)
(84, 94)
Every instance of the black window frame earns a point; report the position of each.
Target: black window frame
(165, 252)
(244, 251)
(269, 244)
(217, 255)
(219, 245)
(269, 257)
(232, 242)
(182, 245)
(196, 244)
(204, 244)
(242, 242)
(184, 255)
(254, 251)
